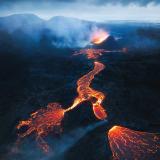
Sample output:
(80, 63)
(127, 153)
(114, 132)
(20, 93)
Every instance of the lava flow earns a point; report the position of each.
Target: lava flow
(85, 93)
(42, 122)
(127, 144)
(95, 53)
(46, 120)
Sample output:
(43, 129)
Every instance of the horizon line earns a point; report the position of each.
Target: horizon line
(107, 20)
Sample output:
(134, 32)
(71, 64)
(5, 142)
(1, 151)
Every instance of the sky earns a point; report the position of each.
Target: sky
(93, 10)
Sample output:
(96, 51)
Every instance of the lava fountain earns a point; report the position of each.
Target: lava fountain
(99, 36)
(128, 144)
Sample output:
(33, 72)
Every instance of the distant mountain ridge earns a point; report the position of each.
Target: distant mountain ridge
(58, 31)
(28, 30)
(13, 22)
(17, 21)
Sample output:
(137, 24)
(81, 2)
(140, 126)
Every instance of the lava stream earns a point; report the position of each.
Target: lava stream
(95, 53)
(127, 144)
(85, 93)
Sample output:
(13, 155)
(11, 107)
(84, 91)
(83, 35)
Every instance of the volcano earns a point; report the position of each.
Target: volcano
(110, 44)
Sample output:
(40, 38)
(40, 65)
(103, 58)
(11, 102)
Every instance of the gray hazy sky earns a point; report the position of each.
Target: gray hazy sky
(95, 10)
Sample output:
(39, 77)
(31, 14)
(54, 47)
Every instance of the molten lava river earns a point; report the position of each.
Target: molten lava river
(46, 120)
(125, 144)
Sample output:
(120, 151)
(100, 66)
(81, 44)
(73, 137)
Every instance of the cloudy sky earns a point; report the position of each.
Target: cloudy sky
(95, 10)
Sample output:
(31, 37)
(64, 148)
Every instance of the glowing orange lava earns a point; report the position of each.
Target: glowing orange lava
(99, 36)
(127, 144)
(95, 53)
(85, 93)
(90, 53)
(46, 120)
(42, 122)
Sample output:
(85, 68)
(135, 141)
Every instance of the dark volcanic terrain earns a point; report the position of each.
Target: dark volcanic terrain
(37, 67)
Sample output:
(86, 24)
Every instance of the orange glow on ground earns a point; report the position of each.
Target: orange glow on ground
(114, 129)
(90, 53)
(99, 36)
(49, 119)
(85, 93)
(129, 144)
(42, 122)
(96, 53)
(125, 144)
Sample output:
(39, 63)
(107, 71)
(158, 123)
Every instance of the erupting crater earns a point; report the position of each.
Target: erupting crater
(99, 36)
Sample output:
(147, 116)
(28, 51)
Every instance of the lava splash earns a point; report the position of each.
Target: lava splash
(127, 144)
(85, 93)
(42, 122)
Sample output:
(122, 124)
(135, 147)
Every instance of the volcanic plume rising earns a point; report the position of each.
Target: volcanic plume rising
(128, 144)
